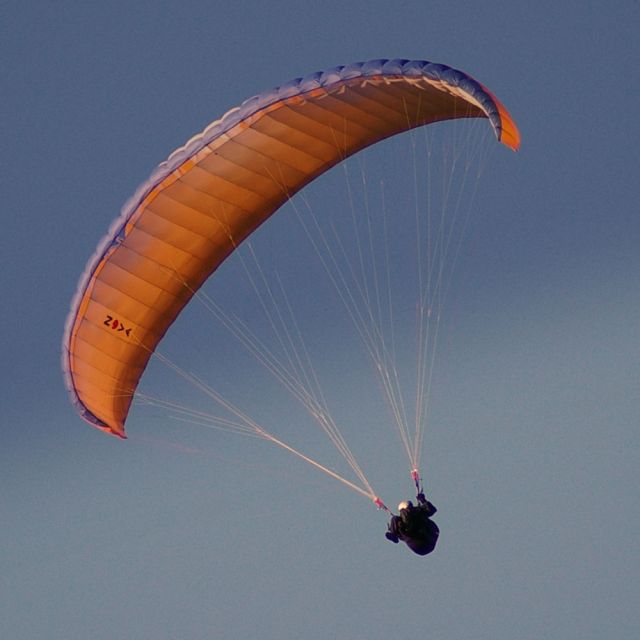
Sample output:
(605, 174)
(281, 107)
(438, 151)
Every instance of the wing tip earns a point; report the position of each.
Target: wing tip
(509, 133)
(116, 431)
(504, 125)
(509, 136)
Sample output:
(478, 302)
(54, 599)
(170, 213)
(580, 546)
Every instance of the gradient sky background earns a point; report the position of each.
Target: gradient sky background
(532, 455)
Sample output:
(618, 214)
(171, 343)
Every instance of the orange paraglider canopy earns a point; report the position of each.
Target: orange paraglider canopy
(212, 193)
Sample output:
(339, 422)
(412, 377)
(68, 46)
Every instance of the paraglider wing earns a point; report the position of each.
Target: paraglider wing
(201, 203)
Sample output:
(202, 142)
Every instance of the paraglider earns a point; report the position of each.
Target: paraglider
(211, 194)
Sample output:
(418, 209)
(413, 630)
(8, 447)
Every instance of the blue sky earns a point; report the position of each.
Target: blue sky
(532, 451)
